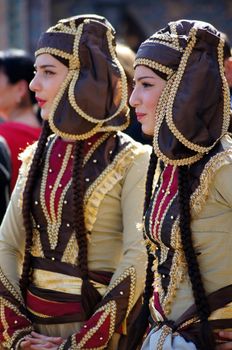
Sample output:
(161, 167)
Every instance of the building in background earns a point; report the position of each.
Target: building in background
(22, 21)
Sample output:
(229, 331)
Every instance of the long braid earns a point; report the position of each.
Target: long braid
(203, 309)
(90, 296)
(139, 328)
(27, 203)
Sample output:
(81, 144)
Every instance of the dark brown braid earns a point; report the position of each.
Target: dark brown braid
(139, 327)
(90, 296)
(27, 199)
(203, 309)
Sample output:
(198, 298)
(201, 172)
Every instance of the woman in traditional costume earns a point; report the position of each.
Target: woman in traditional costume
(181, 97)
(72, 220)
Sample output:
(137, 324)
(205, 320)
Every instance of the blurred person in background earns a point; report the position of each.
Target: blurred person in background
(5, 175)
(17, 105)
(126, 57)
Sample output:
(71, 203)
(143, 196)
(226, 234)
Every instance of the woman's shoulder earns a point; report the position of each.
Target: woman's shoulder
(136, 147)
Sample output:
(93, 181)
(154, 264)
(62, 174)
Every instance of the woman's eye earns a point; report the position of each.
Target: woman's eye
(48, 72)
(145, 85)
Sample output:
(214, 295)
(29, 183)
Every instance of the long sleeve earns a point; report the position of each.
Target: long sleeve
(14, 323)
(128, 279)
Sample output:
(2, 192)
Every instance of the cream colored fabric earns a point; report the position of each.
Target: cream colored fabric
(115, 243)
(212, 235)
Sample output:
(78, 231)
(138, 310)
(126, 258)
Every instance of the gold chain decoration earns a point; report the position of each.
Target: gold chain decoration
(154, 65)
(175, 86)
(225, 88)
(165, 331)
(71, 93)
(160, 115)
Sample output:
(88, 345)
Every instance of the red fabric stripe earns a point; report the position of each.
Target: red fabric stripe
(173, 189)
(51, 308)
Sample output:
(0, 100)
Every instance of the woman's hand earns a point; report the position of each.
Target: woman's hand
(225, 336)
(36, 341)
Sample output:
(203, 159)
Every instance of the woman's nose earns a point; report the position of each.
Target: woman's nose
(34, 86)
(133, 101)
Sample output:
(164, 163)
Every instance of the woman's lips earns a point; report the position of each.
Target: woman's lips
(40, 102)
(140, 116)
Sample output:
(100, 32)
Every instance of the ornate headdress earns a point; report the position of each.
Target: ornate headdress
(93, 96)
(194, 109)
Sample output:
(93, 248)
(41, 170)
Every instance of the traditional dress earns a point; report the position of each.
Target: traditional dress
(211, 208)
(83, 186)
(188, 222)
(114, 183)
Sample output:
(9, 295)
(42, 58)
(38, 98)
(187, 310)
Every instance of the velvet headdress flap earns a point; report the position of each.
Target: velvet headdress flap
(93, 96)
(193, 111)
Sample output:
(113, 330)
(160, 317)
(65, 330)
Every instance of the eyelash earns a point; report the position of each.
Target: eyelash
(145, 85)
(45, 72)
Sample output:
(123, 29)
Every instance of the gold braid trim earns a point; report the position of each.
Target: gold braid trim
(106, 181)
(10, 288)
(131, 272)
(26, 158)
(154, 65)
(199, 196)
(71, 93)
(225, 88)
(165, 331)
(110, 309)
(160, 115)
(10, 339)
(173, 92)
(73, 60)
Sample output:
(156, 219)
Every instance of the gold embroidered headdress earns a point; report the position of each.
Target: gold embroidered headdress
(93, 96)
(194, 109)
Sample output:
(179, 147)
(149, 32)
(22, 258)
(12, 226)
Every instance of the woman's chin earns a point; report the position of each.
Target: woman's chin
(147, 132)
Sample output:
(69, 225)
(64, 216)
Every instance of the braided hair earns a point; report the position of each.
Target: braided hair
(27, 201)
(90, 295)
(140, 325)
(203, 309)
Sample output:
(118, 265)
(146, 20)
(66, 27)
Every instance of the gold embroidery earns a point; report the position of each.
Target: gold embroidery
(154, 65)
(200, 195)
(9, 338)
(165, 331)
(54, 220)
(110, 310)
(107, 179)
(131, 272)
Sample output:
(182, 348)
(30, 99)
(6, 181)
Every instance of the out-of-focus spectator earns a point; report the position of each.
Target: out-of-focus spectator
(126, 57)
(5, 174)
(228, 62)
(17, 104)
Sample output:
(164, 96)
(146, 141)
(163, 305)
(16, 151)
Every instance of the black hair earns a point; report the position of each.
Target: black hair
(18, 65)
(203, 310)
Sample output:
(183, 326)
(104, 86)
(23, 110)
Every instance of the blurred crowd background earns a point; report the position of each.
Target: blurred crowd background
(22, 21)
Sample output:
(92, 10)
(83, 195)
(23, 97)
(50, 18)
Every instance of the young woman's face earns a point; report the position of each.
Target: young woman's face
(50, 74)
(148, 87)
